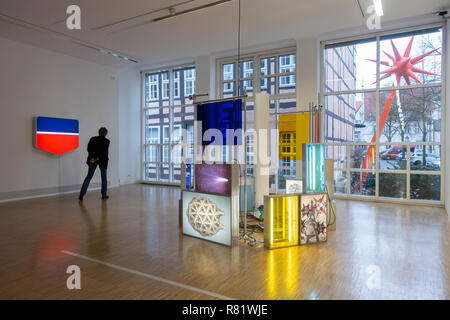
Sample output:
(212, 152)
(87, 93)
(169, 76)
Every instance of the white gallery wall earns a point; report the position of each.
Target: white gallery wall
(129, 125)
(36, 82)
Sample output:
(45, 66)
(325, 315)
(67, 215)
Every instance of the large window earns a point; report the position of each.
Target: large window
(189, 82)
(168, 123)
(383, 110)
(273, 73)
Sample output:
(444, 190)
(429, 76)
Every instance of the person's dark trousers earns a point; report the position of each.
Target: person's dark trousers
(87, 180)
(104, 182)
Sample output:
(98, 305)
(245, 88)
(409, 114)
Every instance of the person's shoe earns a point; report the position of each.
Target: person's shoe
(80, 198)
(105, 197)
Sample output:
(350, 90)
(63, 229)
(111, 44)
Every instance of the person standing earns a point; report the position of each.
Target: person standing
(98, 156)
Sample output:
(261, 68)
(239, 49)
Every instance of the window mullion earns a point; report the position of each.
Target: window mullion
(347, 151)
(408, 174)
(377, 121)
(256, 75)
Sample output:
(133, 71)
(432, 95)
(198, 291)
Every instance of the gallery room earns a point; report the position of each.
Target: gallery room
(234, 149)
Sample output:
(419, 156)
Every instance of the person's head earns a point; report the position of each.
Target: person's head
(102, 132)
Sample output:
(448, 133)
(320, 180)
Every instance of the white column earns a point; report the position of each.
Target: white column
(308, 68)
(308, 78)
(204, 78)
(262, 166)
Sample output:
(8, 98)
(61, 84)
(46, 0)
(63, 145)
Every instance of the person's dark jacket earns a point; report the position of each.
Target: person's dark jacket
(98, 148)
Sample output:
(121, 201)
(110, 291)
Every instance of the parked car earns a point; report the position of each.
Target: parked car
(431, 159)
(395, 152)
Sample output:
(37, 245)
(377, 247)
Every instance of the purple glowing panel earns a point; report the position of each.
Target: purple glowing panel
(213, 178)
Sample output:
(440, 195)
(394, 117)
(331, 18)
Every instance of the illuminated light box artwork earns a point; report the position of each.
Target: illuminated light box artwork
(213, 178)
(281, 221)
(313, 218)
(293, 133)
(56, 135)
(207, 217)
(294, 186)
(313, 166)
(223, 116)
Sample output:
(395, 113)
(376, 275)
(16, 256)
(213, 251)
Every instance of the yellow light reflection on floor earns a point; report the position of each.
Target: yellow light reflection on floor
(271, 277)
(283, 274)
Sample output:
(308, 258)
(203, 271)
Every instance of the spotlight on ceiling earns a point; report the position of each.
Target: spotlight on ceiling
(378, 7)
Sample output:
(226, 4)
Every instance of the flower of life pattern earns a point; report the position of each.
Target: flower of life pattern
(204, 216)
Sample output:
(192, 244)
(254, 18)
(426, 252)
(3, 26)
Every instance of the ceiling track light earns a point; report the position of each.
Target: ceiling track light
(142, 15)
(59, 35)
(174, 14)
(172, 11)
(111, 53)
(19, 24)
(378, 7)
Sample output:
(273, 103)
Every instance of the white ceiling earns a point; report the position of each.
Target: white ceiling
(186, 36)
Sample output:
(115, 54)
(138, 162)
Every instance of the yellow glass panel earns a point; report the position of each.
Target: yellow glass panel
(282, 222)
(294, 131)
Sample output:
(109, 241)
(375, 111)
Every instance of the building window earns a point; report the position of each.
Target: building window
(287, 65)
(404, 105)
(227, 75)
(247, 73)
(153, 134)
(169, 122)
(165, 85)
(154, 86)
(263, 68)
(189, 82)
(176, 85)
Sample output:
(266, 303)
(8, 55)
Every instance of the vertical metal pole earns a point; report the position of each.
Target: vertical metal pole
(277, 118)
(245, 168)
(310, 123)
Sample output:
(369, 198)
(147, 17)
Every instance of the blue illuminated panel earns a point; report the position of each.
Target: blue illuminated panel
(222, 116)
(188, 176)
(313, 166)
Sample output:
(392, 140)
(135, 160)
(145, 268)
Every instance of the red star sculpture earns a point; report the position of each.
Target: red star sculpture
(402, 66)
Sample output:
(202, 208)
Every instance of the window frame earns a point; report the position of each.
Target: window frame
(167, 143)
(377, 90)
